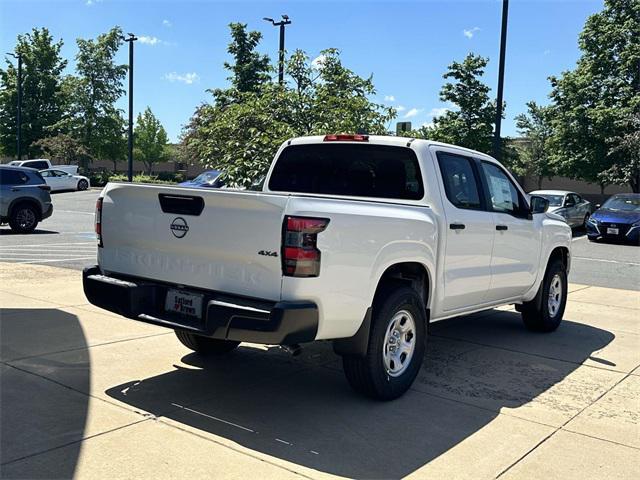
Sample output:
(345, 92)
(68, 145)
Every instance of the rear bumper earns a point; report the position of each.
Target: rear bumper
(224, 316)
(47, 213)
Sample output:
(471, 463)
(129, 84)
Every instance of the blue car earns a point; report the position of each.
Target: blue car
(208, 179)
(617, 219)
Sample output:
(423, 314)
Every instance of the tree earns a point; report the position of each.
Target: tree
(470, 124)
(64, 149)
(150, 139)
(535, 155)
(94, 118)
(43, 99)
(241, 130)
(625, 171)
(250, 69)
(241, 138)
(593, 102)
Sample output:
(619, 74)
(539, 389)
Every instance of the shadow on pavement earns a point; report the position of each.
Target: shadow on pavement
(36, 414)
(304, 412)
(37, 231)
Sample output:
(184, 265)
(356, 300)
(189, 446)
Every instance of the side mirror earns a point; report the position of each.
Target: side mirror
(598, 206)
(538, 204)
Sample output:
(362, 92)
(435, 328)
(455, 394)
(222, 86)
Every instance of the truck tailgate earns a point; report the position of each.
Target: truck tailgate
(220, 240)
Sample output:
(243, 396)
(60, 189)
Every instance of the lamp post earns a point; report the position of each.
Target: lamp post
(503, 47)
(19, 114)
(132, 38)
(282, 23)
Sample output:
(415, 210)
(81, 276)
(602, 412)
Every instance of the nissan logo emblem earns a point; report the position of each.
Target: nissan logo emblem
(179, 227)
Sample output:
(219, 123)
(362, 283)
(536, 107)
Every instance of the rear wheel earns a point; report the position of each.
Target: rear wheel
(396, 347)
(205, 345)
(83, 185)
(24, 218)
(544, 313)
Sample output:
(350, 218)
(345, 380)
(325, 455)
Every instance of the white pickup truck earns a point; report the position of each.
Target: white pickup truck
(362, 240)
(44, 164)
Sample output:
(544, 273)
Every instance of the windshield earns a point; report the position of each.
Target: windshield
(206, 177)
(554, 200)
(626, 204)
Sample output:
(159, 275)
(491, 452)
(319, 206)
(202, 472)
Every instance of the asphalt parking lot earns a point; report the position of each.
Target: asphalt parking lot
(67, 240)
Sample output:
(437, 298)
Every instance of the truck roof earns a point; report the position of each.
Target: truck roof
(388, 140)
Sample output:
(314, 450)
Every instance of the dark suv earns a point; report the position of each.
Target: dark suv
(24, 198)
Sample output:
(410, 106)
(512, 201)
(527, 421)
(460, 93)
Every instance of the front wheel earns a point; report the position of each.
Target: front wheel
(83, 185)
(205, 345)
(586, 219)
(396, 347)
(544, 313)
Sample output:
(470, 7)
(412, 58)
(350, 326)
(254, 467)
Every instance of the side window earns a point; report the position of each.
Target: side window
(504, 196)
(460, 182)
(46, 173)
(12, 177)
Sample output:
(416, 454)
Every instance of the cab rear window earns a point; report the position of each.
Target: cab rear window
(377, 171)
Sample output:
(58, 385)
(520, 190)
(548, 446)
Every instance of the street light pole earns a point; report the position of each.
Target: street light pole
(19, 113)
(132, 38)
(503, 47)
(282, 23)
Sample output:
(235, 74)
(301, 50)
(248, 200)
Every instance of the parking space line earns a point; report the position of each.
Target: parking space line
(606, 261)
(37, 260)
(52, 244)
(9, 255)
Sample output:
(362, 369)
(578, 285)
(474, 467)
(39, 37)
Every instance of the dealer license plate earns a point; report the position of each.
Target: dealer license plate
(184, 303)
(612, 231)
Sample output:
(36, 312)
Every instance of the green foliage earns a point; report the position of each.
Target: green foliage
(141, 178)
(626, 148)
(43, 98)
(150, 140)
(250, 69)
(594, 102)
(242, 130)
(535, 150)
(64, 149)
(470, 123)
(93, 117)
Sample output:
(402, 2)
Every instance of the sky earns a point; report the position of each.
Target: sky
(405, 45)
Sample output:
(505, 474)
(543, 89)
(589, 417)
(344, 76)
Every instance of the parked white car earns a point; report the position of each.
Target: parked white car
(44, 164)
(569, 205)
(60, 180)
(362, 240)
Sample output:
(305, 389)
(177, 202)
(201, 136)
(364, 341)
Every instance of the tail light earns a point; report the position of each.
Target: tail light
(46, 188)
(99, 221)
(342, 137)
(300, 255)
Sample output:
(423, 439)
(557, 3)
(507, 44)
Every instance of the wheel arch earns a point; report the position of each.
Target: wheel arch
(21, 200)
(413, 274)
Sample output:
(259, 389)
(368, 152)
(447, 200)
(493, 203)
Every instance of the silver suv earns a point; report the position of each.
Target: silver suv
(24, 198)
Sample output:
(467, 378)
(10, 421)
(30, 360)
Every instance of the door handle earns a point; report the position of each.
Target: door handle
(502, 227)
(457, 226)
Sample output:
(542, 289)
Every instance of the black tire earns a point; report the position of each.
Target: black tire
(586, 219)
(369, 375)
(24, 218)
(538, 314)
(204, 345)
(83, 185)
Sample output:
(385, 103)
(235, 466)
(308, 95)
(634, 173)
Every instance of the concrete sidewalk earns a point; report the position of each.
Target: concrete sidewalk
(88, 394)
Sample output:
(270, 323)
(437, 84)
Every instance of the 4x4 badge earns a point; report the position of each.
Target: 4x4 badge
(268, 253)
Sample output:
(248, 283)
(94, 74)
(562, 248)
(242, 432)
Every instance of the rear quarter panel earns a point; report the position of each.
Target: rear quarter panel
(362, 240)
